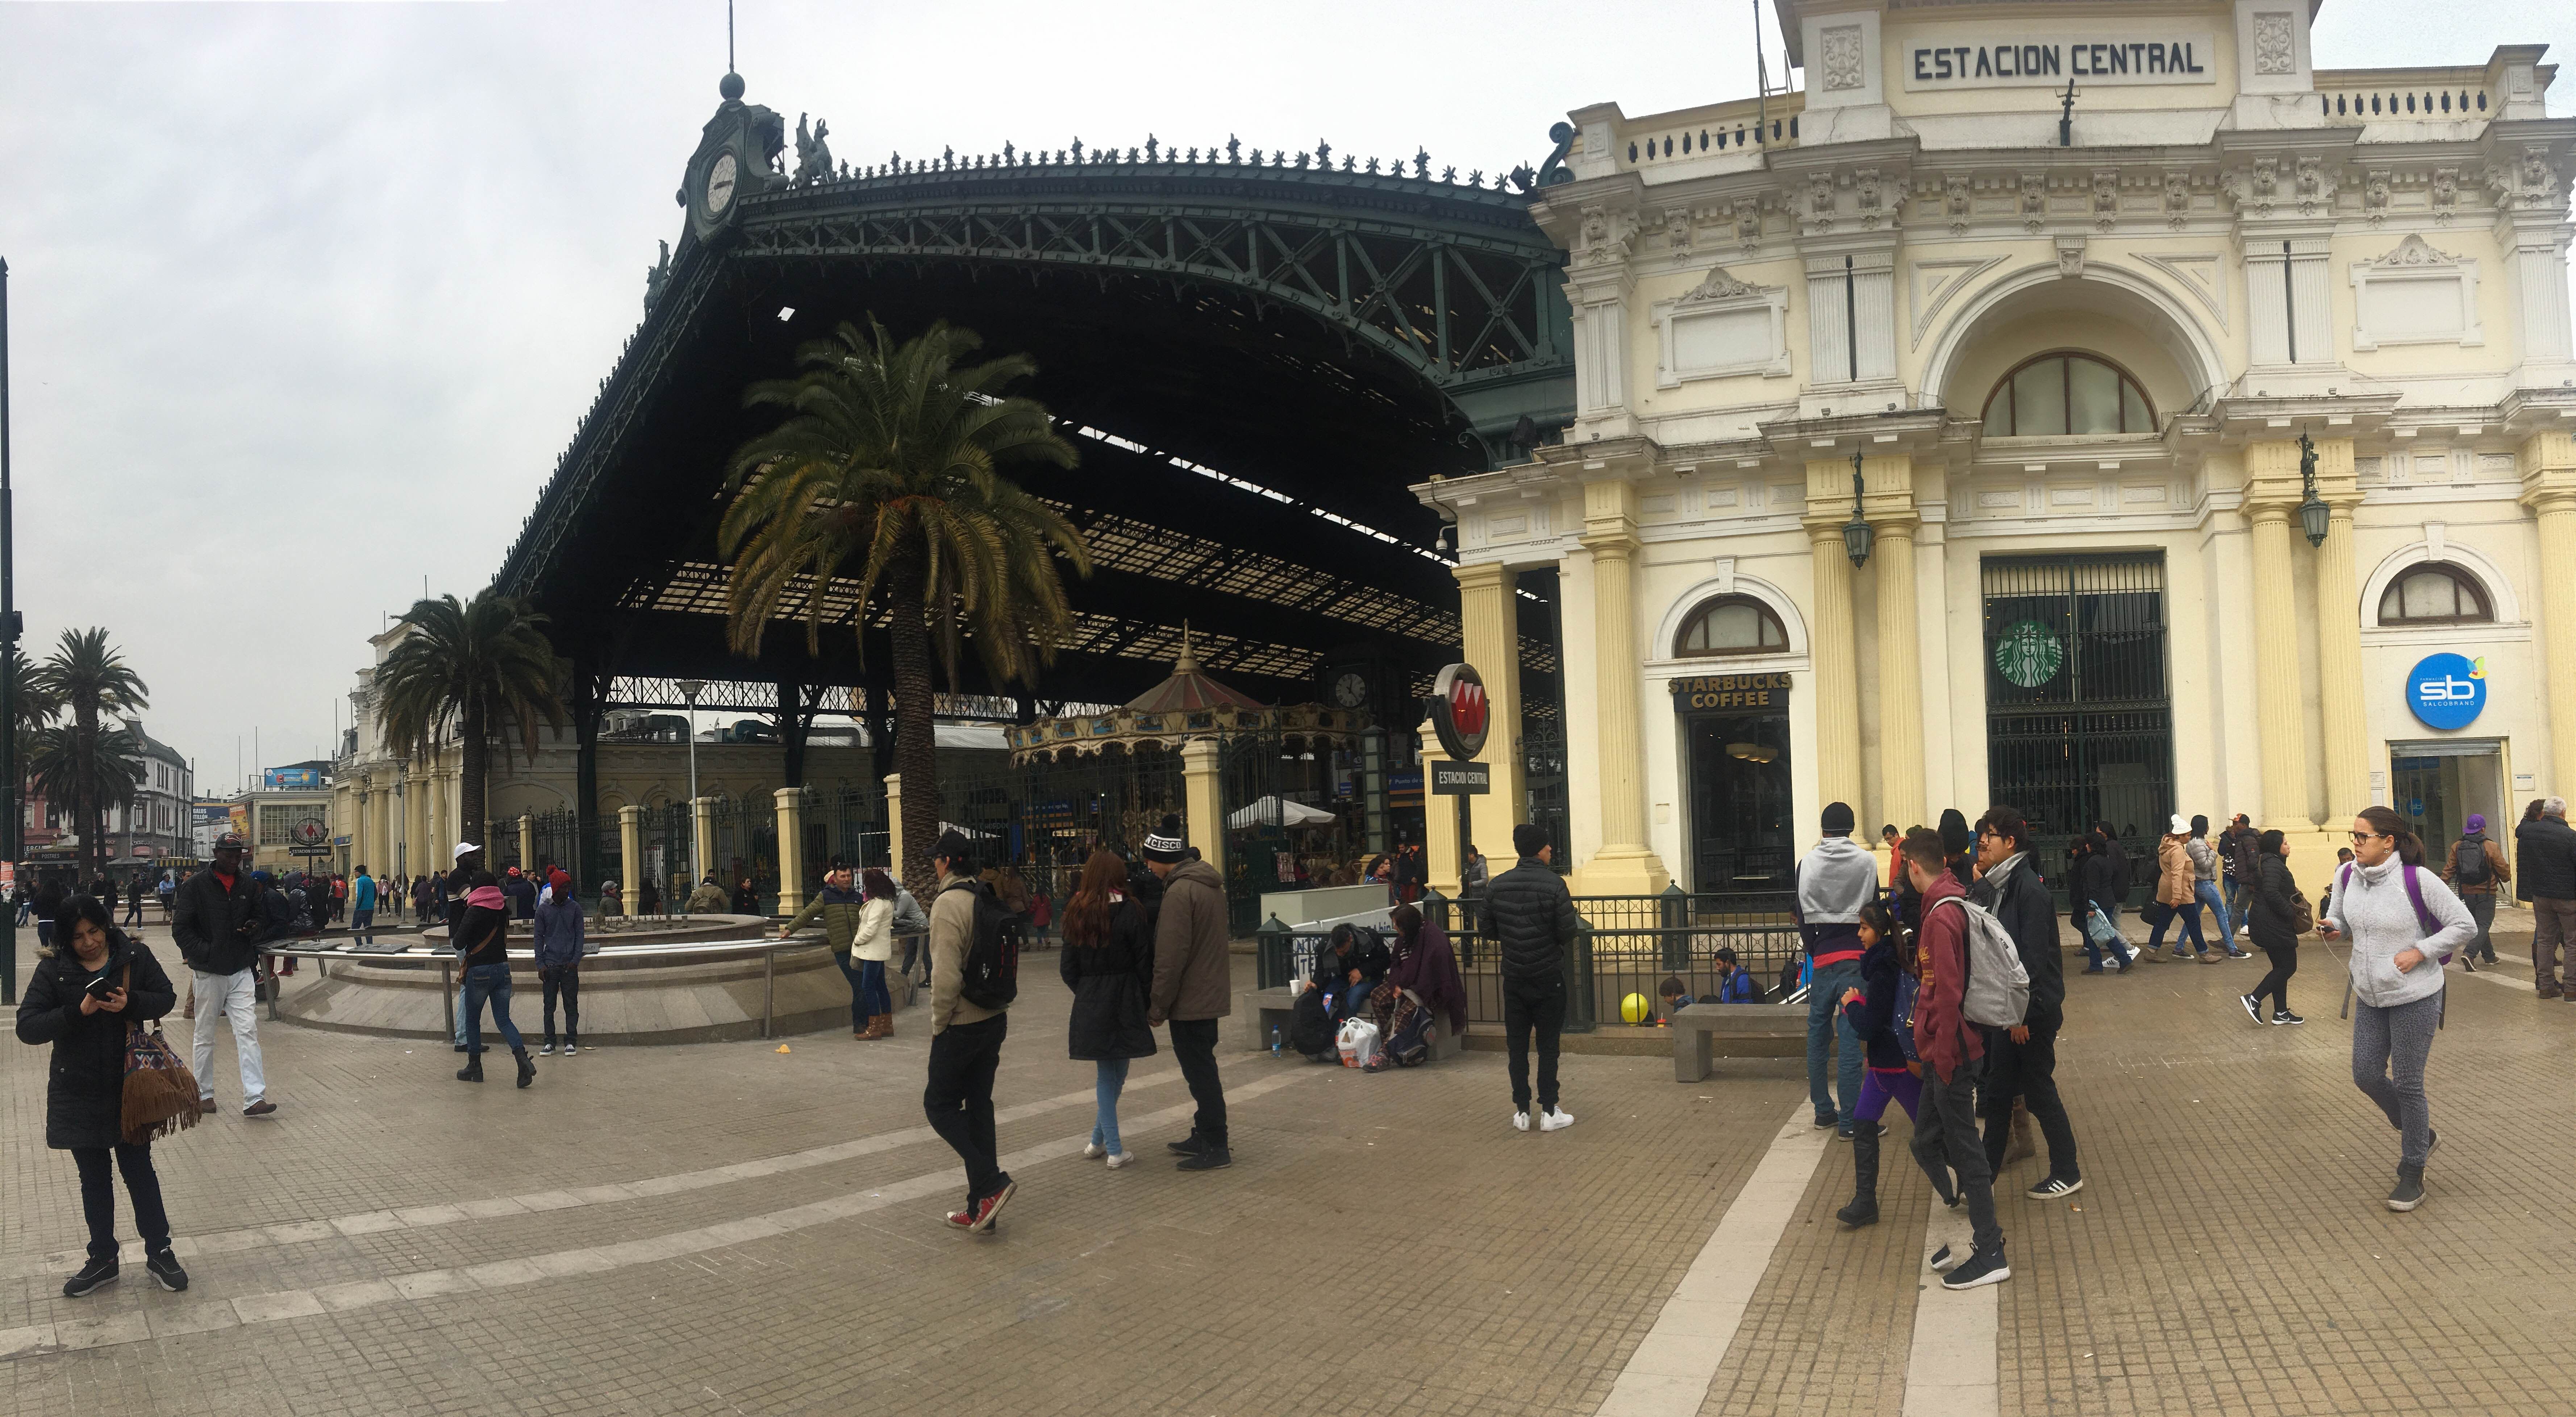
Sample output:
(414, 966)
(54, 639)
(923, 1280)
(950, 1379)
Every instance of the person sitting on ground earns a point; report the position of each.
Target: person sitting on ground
(707, 899)
(1424, 977)
(1675, 996)
(1353, 966)
(1881, 1011)
(1735, 983)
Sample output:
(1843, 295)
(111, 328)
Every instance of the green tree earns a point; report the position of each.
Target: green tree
(879, 492)
(470, 669)
(88, 678)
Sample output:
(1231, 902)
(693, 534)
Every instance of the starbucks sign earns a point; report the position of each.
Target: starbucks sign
(2029, 653)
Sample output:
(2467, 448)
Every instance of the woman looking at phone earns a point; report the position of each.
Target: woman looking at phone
(87, 988)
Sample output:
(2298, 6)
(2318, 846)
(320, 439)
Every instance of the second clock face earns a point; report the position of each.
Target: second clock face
(1350, 691)
(720, 183)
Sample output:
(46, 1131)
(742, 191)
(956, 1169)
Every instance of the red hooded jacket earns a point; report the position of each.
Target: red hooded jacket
(1942, 1037)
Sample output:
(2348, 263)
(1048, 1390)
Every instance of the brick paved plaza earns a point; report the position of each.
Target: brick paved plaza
(726, 1229)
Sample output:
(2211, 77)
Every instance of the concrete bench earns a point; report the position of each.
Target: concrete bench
(1696, 1028)
(1257, 1011)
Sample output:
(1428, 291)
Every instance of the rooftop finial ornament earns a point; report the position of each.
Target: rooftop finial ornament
(730, 86)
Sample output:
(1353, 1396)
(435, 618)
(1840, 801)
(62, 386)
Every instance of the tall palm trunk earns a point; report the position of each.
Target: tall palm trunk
(915, 746)
(474, 764)
(88, 812)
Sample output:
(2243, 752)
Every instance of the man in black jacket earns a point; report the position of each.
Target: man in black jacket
(2547, 847)
(1534, 923)
(217, 921)
(2022, 1061)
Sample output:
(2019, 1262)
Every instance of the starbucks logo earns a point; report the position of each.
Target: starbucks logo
(2029, 653)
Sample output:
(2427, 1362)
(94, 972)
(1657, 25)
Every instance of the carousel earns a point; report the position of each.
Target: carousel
(1185, 706)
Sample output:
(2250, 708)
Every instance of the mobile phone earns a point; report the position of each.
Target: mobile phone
(100, 988)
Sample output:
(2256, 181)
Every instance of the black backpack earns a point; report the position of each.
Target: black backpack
(2473, 868)
(991, 978)
(1310, 1026)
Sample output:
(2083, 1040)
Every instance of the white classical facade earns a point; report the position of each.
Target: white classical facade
(2075, 344)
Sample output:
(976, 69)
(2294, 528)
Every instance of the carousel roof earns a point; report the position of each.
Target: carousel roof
(1189, 690)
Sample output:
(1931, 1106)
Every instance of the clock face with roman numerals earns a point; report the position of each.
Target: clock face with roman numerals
(720, 183)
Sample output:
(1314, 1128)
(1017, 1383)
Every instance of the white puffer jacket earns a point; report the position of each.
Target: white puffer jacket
(2375, 916)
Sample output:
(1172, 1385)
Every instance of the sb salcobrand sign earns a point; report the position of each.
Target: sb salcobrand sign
(2054, 59)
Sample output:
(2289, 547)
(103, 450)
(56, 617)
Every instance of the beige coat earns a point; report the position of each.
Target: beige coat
(952, 935)
(2175, 877)
(1193, 972)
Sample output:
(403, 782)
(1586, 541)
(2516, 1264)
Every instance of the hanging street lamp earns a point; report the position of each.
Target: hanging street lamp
(1856, 533)
(2313, 512)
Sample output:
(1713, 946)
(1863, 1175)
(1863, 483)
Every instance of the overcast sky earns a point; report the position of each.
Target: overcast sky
(305, 299)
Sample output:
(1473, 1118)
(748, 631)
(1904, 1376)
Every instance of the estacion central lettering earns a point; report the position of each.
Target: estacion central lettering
(2022, 61)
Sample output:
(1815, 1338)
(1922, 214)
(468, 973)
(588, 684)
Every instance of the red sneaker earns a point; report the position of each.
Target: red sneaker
(963, 1220)
(989, 1208)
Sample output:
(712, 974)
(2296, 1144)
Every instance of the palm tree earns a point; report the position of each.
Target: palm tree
(88, 677)
(469, 667)
(90, 774)
(879, 492)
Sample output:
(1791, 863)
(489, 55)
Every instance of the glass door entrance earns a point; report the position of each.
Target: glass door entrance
(2436, 785)
(1740, 803)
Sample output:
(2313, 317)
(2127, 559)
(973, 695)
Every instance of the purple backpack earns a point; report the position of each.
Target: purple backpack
(2414, 896)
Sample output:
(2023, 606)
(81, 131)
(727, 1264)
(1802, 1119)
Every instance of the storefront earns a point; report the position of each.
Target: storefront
(2141, 472)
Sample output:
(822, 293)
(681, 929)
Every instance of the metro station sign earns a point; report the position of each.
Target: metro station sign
(1460, 712)
(1972, 60)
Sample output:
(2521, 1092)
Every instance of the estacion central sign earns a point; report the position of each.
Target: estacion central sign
(1941, 62)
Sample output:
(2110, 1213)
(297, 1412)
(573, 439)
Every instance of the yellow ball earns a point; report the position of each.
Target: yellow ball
(1633, 1008)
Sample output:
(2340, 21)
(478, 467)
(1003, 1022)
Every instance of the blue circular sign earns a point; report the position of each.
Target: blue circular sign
(2447, 691)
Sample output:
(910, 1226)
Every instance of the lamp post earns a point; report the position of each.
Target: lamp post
(1856, 533)
(2313, 512)
(689, 691)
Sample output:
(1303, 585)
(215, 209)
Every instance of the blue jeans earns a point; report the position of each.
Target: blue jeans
(1825, 1017)
(2210, 896)
(489, 981)
(850, 969)
(2236, 904)
(2190, 917)
(2094, 952)
(1104, 1124)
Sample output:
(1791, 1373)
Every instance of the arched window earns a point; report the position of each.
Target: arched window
(1731, 624)
(2435, 594)
(2061, 395)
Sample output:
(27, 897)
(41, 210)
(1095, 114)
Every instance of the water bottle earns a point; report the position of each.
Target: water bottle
(1274, 1041)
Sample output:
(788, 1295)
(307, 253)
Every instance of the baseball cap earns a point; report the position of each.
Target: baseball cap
(465, 849)
(231, 841)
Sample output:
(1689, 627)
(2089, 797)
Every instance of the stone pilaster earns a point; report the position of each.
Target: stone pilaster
(630, 855)
(2345, 725)
(1900, 680)
(790, 803)
(1489, 626)
(702, 842)
(1833, 647)
(2276, 688)
(1624, 864)
(1205, 801)
(527, 827)
(2548, 466)
(1441, 849)
(894, 824)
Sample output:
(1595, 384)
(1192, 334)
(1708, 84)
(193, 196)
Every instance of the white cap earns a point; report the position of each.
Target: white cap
(465, 849)
(2180, 827)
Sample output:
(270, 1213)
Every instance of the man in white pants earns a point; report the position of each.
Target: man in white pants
(217, 922)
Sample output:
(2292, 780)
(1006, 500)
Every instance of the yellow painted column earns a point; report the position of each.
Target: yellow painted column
(1442, 852)
(2548, 466)
(1205, 803)
(702, 841)
(2282, 726)
(1489, 626)
(1831, 647)
(527, 842)
(894, 824)
(2339, 692)
(791, 848)
(630, 855)
(1900, 681)
(1624, 864)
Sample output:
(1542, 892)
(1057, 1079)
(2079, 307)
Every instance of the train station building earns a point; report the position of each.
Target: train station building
(2090, 407)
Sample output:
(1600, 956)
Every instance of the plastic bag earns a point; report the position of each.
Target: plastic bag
(1358, 1041)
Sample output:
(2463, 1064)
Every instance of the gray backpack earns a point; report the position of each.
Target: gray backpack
(1997, 992)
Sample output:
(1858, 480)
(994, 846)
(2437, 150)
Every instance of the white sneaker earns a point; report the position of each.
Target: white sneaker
(1121, 1159)
(1520, 1121)
(1091, 1151)
(570, 1049)
(1556, 1120)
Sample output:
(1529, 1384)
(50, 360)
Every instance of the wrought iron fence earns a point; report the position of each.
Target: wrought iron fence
(1630, 944)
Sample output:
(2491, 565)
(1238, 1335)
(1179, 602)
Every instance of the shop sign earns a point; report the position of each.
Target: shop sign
(1737, 693)
(2029, 653)
(1461, 779)
(2447, 691)
(2088, 56)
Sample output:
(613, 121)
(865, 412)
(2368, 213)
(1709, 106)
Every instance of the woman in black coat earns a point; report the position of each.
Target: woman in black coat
(2096, 886)
(1107, 961)
(2275, 927)
(85, 1083)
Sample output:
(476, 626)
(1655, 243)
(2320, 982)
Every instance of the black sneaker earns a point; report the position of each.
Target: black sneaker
(1941, 1260)
(1982, 1268)
(2253, 1006)
(96, 1275)
(2054, 1188)
(166, 1272)
(1214, 1158)
(2408, 1195)
(1187, 1146)
(2284, 1016)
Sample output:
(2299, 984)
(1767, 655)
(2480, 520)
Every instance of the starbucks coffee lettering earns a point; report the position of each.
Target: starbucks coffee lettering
(1732, 693)
(2094, 58)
